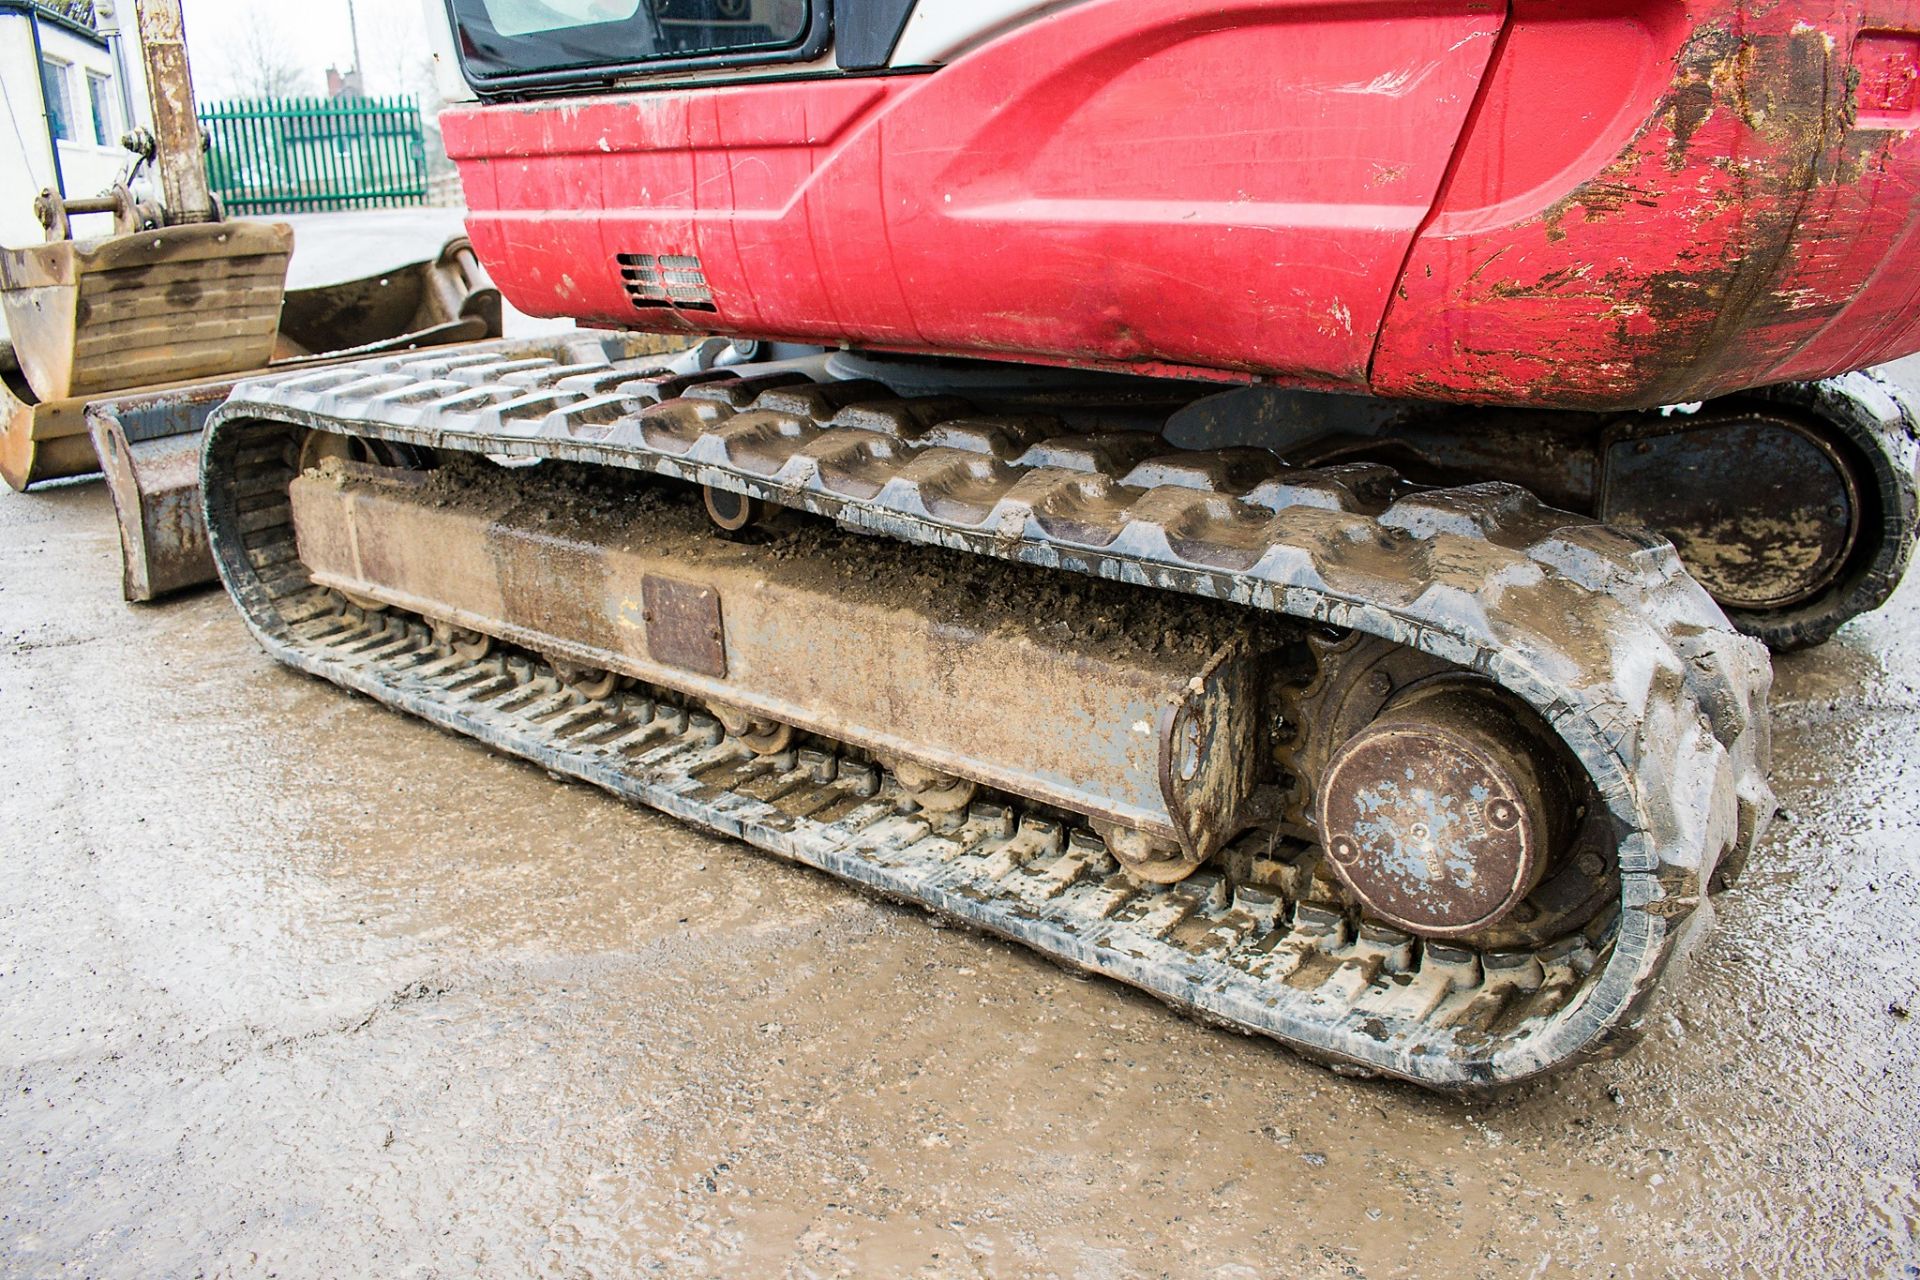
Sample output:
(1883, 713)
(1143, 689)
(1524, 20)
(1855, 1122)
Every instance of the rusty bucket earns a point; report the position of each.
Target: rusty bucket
(146, 307)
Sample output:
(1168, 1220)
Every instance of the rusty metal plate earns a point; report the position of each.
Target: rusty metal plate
(1437, 815)
(683, 625)
(1426, 834)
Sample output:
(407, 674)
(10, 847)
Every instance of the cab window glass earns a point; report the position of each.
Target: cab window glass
(529, 17)
(501, 39)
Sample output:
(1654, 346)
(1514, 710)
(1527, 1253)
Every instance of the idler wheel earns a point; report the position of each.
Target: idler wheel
(1764, 509)
(1443, 814)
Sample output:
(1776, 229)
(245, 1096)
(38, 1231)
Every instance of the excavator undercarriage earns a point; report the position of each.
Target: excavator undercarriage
(1427, 782)
(1192, 488)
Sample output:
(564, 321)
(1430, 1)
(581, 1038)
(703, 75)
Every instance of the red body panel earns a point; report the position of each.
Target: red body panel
(1741, 222)
(1606, 202)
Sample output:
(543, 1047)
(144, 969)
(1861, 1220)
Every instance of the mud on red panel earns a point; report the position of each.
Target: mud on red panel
(1717, 199)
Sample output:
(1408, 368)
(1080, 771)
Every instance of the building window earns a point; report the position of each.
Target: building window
(100, 94)
(53, 79)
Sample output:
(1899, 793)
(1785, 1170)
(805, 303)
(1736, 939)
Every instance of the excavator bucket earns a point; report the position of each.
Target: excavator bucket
(422, 304)
(147, 307)
(54, 373)
(142, 308)
(148, 442)
(176, 294)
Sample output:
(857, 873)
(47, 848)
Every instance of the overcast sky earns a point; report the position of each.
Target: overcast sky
(227, 37)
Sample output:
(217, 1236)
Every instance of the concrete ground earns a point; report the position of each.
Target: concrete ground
(291, 985)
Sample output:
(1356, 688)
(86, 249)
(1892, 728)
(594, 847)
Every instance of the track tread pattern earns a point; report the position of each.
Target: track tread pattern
(1601, 631)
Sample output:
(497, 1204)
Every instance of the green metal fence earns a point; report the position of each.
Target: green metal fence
(298, 155)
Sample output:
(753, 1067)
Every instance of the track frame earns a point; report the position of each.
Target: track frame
(1661, 703)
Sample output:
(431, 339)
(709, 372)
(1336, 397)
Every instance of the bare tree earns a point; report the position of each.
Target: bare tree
(393, 38)
(260, 61)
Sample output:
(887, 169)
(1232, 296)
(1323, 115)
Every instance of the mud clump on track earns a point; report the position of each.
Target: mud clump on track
(965, 591)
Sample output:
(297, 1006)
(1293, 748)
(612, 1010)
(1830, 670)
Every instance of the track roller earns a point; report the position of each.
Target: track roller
(762, 736)
(736, 512)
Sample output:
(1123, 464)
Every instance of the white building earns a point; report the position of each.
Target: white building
(69, 88)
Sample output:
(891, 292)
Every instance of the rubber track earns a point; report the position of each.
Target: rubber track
(1601, 631)
(1878, 422)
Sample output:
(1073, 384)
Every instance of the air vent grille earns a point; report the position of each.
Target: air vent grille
(665, 280)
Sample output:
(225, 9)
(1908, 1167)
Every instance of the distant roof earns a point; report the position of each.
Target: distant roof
(74, 17)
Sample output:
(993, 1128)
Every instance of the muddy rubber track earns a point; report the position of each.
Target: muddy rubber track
(1877, 423)
(1600, 631)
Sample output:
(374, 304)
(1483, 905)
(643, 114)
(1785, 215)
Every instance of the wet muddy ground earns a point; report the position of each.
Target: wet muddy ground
(290, 985)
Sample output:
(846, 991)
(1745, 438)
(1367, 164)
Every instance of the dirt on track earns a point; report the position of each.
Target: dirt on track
(291, 985)
(961, 590)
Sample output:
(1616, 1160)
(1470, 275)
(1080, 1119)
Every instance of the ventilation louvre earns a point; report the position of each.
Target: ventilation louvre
(665, 280)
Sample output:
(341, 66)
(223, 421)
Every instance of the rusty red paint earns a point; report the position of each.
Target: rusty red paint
(1753, 228)
(1582, 203)
(1888, 66)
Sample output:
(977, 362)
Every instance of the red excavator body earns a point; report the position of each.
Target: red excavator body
(1576, 204)
(1308, 713)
